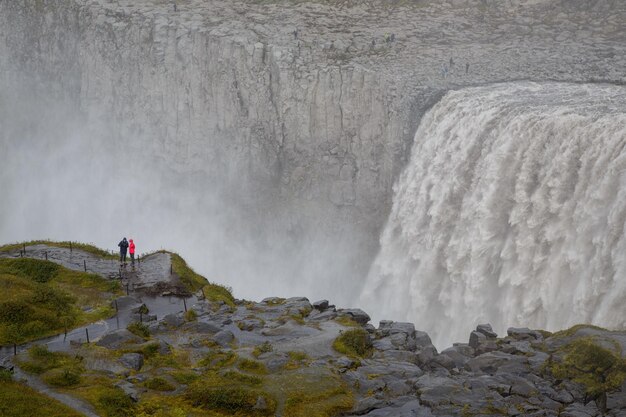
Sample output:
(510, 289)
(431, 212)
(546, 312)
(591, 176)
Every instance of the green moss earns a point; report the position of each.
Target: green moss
(354, 342)
(264, 347)
(35, 299)
(184, 377)
(66, 377)
(347, 321)
(19, 400)
(599, 369)
(217, 359)
(159, 384)
(251, 366)
(235, 397)
(41, 360)
(194, 282)
(139, 329)
(309, 392)
(113, 402)
(574, 329)
(243, 378)
(191, 315)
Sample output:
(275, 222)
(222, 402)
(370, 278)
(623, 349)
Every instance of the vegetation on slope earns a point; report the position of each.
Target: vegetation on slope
(85, 247)
(19, 400)
(40, 298)
(194, 282)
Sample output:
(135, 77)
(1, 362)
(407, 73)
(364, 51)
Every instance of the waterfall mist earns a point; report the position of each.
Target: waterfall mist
(68, 174)
(511, 211)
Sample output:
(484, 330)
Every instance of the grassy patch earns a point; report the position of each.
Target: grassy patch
(41, 360)
(139, 329)
(354, 342)
(235, 397)
(264, 347)
(194, 282)
(599, 369)
(347, 321)
(159, 384)
(249, 365)
(574, 329)
(217, 359)
(309, 392)
(191, 315)
(184, 377)
(19, 400)
(35, 299)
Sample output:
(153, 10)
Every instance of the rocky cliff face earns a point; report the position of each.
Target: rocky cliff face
(310, 107)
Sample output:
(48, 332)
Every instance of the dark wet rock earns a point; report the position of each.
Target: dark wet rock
(117, 339)
(458, 355)
(617, 400)
(486, 330)
(476, 339)
(132, 360)
(173, 320)
(129, 389)
(224, 338)
(580, 410)
(249, 325)
(320, 305)
(398, 356)
(426, 354)
(383, 344)
(323, 316)
(370, 328)
(523, 333)
(422, 339)
(344, 362)
(126, 303)
(490, 362)
(201, 327)
(355, 314)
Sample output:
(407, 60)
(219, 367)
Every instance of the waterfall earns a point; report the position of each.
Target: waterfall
(511, 211)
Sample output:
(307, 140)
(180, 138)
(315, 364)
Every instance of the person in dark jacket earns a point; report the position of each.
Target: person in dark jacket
(123, 247)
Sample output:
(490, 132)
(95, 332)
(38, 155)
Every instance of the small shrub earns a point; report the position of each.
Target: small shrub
(184, 377)
(159, 384)
(66, 377)
(354, 342)
(5, 375)
(597, 368)
(243, 378)
(264, 347)
(191, 315)
(139, 329)
(113, 402)
(252, 366)
(217, 359)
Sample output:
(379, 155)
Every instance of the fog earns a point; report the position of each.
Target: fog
(68, 175)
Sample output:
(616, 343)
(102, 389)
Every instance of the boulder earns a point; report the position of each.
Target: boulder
(523, 333)
(320, 305)
(201, 327)
(173, 320)
(476, 339)
(132, 360)
(224, 338)
(356, 314)
(486, 330)
(118, 338)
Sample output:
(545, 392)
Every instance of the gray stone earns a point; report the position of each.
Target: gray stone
(201, 327)
(224, 338)
(323, 316)
(320, 305)
(486, 330)
(617, 400)
(476, 338)
(117, 339)
(422, 339)
(261, 404)
(132, 360)
(173, 320)
(356, 314)
(523, 333)
(129, 389)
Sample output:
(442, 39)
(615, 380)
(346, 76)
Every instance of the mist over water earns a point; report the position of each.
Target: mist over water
(68, 174)
(511, 211)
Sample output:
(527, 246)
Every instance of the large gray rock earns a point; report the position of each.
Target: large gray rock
(224, 338)
(356, 314)
(476, 339)
(173, 320)
(320, 305)
(118, 338)
(486, 330)
(523, 333)
(132, 360)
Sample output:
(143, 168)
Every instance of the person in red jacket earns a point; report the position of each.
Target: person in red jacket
(131, 250)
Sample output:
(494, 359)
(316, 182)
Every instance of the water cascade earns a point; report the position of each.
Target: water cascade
(511, 211)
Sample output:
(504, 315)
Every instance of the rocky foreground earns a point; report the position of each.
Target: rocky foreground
(291, 357)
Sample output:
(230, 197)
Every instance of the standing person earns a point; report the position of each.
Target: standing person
(123, 246)
(131, 250)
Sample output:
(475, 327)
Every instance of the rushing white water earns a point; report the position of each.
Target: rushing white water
(511, 211)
